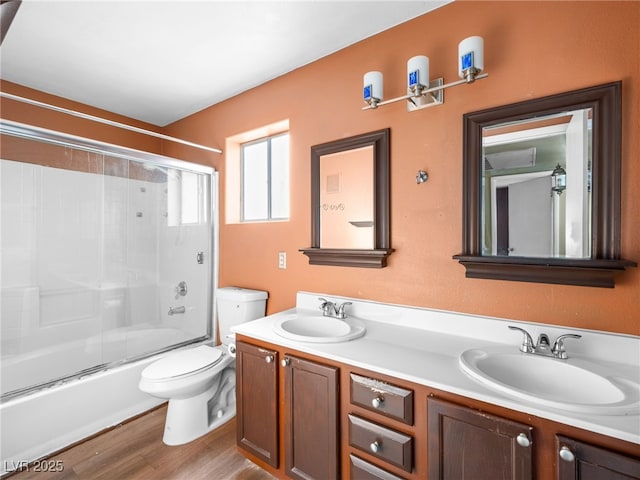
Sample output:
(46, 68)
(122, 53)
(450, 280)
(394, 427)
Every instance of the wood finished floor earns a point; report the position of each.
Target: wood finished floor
(135, 450)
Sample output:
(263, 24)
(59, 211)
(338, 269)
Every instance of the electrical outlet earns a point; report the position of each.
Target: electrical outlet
(282, 260)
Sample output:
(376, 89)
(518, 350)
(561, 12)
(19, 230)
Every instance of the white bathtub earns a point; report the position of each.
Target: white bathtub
(52, 418)
(59, 360)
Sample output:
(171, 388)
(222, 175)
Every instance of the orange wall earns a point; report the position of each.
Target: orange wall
(532, 49)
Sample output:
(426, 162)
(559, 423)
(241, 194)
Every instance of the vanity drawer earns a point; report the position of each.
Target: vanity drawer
(361, 470)
(384, 443)
(382, 397)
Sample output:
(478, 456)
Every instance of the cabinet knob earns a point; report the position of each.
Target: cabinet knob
(268, 358)
(523, 440)
(377, 402)
(566, 454)
(376, 446)
(285, 362)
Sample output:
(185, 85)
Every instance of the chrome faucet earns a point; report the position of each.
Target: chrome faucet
(543, 347)
(173, 311)
(334, 310)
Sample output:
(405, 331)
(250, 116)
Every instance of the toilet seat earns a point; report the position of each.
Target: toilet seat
(180, 364)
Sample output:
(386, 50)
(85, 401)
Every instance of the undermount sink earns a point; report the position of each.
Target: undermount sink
(318, 329)
(573, 384)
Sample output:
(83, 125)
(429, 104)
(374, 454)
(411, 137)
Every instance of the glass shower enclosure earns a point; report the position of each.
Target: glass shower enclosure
(107, 255)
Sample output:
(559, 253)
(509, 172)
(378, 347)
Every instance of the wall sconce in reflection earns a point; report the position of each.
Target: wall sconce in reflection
(421, 92)
(558, 180)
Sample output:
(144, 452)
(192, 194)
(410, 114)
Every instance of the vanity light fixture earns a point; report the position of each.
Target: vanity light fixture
(421, 92)
(558, 180)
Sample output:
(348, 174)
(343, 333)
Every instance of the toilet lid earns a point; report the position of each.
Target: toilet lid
(182, 363)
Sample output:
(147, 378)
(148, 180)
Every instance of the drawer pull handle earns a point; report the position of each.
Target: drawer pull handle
(268, 358)
(566, 454)
(285, 362)
(376, 446)
(377, 402)
(523, 440)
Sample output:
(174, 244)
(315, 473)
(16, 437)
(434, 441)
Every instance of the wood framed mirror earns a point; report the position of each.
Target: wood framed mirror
(350, 202)
(541, 189)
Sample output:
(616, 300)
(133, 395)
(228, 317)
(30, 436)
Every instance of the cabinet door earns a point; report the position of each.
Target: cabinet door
(257, 401)
(465, 444)
(581, 461)
(311, 419)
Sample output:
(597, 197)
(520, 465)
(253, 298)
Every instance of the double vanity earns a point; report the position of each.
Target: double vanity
(346, 388)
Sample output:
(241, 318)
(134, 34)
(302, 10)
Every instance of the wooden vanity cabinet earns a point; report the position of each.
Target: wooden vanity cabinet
(287, 412)
(382, 398)
(257, 401)
(310, 419)
(299, 416)
(380, 428)
(583, 461)
(468, 444)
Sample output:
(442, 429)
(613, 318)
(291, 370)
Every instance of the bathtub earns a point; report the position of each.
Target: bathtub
(49, 419)
(25, 369)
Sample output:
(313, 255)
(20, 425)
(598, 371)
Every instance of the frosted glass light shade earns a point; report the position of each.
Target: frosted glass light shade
(475, 47)
(418, 72)
(373, 86)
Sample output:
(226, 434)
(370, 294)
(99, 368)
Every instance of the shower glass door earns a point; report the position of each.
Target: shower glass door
(106, 256)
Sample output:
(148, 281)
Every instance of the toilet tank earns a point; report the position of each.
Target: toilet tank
(238, 305)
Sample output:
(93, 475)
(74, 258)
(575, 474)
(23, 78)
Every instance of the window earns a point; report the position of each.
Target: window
(186, 198)
(265, 179)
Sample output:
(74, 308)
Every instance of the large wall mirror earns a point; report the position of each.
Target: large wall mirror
(350, 202)
(541, 191)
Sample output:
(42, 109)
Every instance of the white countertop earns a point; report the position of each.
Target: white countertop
(422, 346)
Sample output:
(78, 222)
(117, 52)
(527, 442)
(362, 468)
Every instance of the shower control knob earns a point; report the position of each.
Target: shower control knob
(377, 402)
(285, 362)
(181, 289)
(268, 358)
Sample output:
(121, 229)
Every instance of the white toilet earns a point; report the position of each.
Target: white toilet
(200, 382)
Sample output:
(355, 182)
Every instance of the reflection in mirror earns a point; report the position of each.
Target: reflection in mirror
(350, 202)
(536, 196)
(346, 199)
(541, 189)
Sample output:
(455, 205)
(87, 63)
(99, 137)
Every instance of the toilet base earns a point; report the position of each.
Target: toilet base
(191, 418)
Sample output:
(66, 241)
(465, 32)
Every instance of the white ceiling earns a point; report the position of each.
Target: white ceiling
(160, 61)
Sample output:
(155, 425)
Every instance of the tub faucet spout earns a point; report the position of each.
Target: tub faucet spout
(173, 311)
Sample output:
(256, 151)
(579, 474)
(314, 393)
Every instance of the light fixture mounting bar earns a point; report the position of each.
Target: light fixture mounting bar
(438, 89)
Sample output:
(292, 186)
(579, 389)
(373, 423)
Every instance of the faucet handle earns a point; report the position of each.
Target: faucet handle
(340, 311)
(326, 306)
(324, 303)
(527, 342)
(181, 289)
(558, 347)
